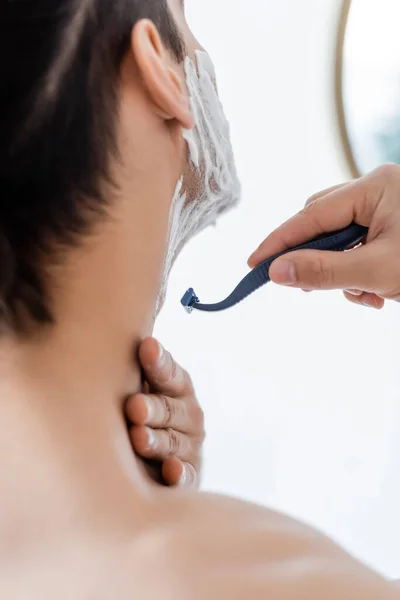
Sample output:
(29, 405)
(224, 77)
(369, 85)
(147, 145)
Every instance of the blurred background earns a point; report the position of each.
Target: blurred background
(369, 98)
(301, 391)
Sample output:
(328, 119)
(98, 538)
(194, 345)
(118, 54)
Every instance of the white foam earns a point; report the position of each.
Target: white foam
(210, 186)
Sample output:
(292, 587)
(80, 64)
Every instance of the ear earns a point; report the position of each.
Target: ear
(160, 80)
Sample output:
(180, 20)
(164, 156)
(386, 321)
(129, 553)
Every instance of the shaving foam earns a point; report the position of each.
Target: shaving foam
(209, 185)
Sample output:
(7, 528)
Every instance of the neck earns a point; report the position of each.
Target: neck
(62, 391)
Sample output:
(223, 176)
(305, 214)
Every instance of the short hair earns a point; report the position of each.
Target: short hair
(59, 63)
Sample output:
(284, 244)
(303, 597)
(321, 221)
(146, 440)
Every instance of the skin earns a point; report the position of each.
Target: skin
(370, 274)
(79, 515)
(166, 422)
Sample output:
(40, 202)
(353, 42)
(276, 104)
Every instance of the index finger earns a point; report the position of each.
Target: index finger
(163, 374)
(334, 211)
(325, 192)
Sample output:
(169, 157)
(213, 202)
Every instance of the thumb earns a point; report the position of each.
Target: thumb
(315, 270)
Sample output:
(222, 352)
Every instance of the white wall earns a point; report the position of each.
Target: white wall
(301, 392)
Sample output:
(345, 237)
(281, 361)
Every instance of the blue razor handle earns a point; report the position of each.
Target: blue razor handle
(338, 241)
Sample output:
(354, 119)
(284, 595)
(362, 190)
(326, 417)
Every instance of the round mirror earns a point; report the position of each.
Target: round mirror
(368, 82)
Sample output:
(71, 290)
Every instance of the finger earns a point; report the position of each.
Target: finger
(366, 299)
(162, 373)
(334, 211)
(309, 269)
(325, 192)
(161, 412)
(179, 474)
(160, 444)
(172, 471)
(354, 292)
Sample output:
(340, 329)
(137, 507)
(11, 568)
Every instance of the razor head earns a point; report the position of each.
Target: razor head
(189, 300)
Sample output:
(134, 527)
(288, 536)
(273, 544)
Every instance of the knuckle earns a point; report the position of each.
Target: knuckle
(168, 411)
(388, 172)
(311, 212)
(173, 441)
(307, 207)
(382, 194)
(310, 201)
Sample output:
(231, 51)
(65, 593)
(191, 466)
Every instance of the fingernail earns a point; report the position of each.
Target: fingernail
(150, 409)
(283, 272)
(151, 438)
(183, 478)
(160, 354)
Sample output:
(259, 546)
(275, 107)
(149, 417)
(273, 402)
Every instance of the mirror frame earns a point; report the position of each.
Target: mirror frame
(344, 132)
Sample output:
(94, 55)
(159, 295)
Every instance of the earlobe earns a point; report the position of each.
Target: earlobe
(162, 83)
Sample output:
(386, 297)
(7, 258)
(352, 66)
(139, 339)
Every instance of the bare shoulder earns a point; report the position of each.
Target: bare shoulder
(212, 547)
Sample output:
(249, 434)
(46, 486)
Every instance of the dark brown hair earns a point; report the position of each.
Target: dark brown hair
(59, 61)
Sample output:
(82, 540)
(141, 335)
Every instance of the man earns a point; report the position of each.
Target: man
(94, 210)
